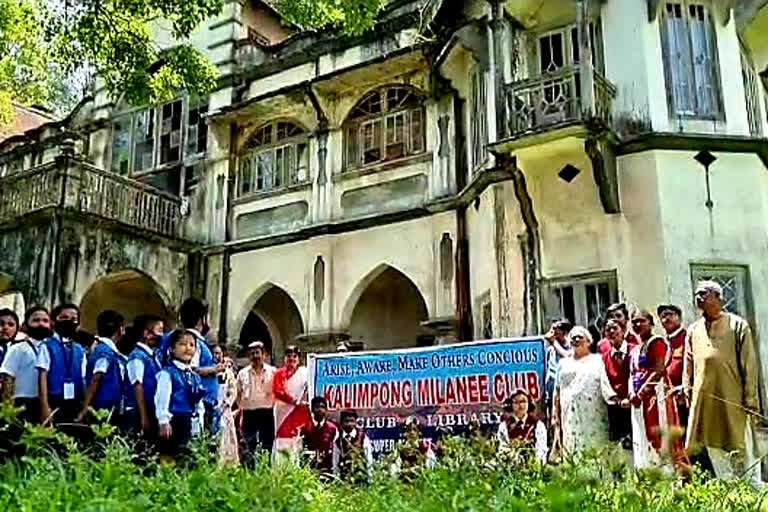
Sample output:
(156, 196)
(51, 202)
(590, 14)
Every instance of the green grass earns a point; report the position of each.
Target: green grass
(470, 479)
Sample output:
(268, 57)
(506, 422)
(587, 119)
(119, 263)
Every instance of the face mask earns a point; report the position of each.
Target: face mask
(66, 328)
(206, 328)
(39, 333)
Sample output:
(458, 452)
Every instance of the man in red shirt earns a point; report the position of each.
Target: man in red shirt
(620, 313)
(615, 384)
(671, 317)
(318, 438)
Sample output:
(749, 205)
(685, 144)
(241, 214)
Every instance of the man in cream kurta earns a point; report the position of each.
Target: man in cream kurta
(720, 377)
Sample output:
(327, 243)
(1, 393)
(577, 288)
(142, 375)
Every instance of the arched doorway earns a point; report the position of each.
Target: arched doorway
(274, 320)
(128, 292)
(389, 312)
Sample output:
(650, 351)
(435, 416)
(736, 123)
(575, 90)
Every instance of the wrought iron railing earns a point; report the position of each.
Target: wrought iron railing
(544, 101)
(77, 186)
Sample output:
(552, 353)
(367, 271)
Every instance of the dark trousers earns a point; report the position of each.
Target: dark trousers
(66, 410)
(212, 418)
(258, 433)
(181, 427)
(619, 423)
(145, 441)
(31, 412)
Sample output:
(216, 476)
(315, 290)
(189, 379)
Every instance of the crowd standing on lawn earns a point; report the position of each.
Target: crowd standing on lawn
(687, 396)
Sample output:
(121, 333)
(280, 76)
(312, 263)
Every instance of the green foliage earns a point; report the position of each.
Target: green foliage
(350, 16)
(471, 477)
(25, 70)
(44, 44)
(118, 40)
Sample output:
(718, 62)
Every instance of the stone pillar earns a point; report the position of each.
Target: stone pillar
(499, 58)
(587, 75)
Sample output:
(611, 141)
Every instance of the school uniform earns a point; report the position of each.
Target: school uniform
(203, 358)
(142, 368)
(65, 362)
(178, 399)
(110, 363)
(20, 363)
(318, 438)
(352, 455)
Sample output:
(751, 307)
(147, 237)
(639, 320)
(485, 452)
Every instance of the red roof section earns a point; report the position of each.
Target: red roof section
(27, 118)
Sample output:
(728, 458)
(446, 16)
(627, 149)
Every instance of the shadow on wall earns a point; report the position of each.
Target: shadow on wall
(130, 293)
(389, 313)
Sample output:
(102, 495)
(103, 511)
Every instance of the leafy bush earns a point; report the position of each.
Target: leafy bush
(469, 477)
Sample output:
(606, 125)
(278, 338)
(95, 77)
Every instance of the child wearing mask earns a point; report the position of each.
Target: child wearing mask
(18, 370)
(178, 397)
(61, 366)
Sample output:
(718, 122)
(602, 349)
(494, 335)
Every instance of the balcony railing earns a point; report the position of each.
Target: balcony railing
(77, 186)
(249, 53)
(553, 99)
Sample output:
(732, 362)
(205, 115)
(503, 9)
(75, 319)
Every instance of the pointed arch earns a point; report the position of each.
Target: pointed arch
(270, 312)
(386, 310)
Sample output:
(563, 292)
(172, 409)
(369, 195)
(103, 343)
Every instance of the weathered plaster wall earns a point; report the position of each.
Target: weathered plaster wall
(26, 258)
(89, 253)
(733, 233)
(352, 261)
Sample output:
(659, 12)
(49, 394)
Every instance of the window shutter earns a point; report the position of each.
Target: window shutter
(702, 60)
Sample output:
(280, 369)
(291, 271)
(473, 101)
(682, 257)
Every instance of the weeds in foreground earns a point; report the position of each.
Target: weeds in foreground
(58, 474)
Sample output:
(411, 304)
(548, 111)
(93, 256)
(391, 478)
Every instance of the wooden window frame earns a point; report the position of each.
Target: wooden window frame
(579, 284)
(186, 158)
(697, 113)
(250, 157)
(356, 127)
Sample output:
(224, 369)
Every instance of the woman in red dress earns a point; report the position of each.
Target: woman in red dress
(656, 433)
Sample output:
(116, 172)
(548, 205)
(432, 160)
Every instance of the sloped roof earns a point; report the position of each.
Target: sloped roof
(26, 118)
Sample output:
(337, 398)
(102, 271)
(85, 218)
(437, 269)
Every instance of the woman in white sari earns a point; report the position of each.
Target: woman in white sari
(291, 409)
(580, 411)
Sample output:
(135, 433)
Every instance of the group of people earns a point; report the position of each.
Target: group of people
(663, 400)
(163, 388)
(689, 394)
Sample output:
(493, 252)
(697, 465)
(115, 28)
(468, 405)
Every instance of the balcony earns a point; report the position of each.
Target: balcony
(75, 186)
(552, 105)
(249, 53)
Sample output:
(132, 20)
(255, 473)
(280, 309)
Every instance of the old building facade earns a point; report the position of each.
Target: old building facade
(467, 169)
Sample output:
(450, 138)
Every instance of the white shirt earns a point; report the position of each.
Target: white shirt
(255, 389)
(349, 437)
(44, 357)
(20, 363)
(540, 436)
(623, 349)
(102, 364)
(677, 331)
(163, 395)
(136, 366)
